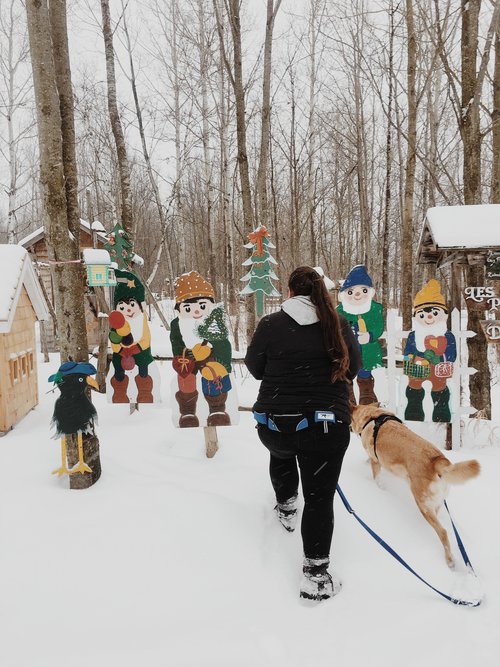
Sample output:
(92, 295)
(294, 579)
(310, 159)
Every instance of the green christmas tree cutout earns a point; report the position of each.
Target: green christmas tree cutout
(214, 327)
(261, 274)
(119, 247)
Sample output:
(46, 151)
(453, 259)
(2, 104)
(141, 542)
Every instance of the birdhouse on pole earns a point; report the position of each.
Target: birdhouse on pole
(100, 272)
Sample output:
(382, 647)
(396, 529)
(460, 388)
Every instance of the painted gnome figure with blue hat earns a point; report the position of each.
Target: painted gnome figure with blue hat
(367, 322)
(74, 412)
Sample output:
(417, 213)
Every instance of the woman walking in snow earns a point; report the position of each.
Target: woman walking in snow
(305, 354)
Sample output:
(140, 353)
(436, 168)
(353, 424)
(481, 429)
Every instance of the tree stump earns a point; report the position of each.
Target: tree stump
(84, 480)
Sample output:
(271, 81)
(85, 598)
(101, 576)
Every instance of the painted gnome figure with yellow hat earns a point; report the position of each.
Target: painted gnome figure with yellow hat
(200, 344)
(429, 355)
(130, 339)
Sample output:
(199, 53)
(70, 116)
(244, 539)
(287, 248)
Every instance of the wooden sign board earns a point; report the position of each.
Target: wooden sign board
(491, 330)
(481, 298)
(493, 266)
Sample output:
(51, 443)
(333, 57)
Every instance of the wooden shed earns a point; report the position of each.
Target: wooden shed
(21, 304)
(91, 236)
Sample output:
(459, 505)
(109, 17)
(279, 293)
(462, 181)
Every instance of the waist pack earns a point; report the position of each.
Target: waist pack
(291, 423)
(285, 423)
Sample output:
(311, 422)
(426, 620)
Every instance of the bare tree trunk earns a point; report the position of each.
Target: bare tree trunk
(479, 383)
(388, 167)
(149, 168)
(265, 132)
(57, 12)
(411, 159)
(225, 193)
(203, 52)
(314, 25)
(364, 212)
(293, 181)
(13, 97)
(127, 221)
(55, 126)
(235, 74)
(495, 119)
(178, 154)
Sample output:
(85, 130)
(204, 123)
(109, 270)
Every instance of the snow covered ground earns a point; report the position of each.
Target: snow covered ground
(175, 560)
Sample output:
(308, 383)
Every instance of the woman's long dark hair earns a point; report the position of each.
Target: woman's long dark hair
(305, 281)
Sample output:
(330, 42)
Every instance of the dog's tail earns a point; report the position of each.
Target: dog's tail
(457, 473)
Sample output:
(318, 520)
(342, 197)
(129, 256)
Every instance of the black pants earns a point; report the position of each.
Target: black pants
(319, 456)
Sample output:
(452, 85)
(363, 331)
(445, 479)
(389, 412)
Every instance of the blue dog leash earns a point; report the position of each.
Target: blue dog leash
(395, 555)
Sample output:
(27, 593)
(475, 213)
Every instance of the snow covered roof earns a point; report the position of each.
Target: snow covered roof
(96, 256)
(455, 229)
(98, 227)
(17, 271)
(39, 233)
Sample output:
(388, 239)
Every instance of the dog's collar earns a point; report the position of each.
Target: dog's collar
(379, 421)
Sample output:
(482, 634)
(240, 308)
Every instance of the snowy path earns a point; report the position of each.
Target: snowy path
(176, 560)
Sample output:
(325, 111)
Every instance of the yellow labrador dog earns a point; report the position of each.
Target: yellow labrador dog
(407, 455)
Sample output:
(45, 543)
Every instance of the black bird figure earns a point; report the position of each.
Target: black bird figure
(73, 411)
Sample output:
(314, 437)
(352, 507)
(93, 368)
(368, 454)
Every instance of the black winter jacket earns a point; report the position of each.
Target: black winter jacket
(292, 362)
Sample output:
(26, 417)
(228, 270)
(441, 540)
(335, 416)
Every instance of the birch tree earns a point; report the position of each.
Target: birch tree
(411, 159)
(126, 217)
(53, 96)
(15, 95)
(272, 8)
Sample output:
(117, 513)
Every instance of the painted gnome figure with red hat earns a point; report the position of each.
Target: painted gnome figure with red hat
(200, 345)
(367, 322)
(130, 341)
(429, 355)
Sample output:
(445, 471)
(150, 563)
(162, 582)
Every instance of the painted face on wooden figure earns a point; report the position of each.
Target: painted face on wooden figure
(129, 307)
(195, 309)
(358, 295)
(430, 315)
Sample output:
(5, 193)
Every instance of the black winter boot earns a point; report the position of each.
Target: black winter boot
(317, 583)
(287, 513)
(441, 400)
(414, 411)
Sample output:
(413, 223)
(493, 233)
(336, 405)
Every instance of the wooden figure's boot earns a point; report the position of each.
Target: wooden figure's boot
(120, 390)
(144, 389)
(217, 408)
(187, 408)
(366, 393)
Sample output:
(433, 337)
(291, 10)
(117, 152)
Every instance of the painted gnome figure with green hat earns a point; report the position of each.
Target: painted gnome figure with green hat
(201, 347)
(429, 354)
(367, 322)
(130, 340)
